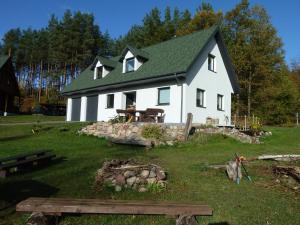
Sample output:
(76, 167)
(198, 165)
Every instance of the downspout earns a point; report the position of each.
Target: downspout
(181, 96)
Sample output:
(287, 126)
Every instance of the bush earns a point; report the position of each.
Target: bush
(152, 132)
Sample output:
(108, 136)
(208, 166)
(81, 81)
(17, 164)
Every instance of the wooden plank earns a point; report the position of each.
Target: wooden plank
(96, 206)
(188, 125)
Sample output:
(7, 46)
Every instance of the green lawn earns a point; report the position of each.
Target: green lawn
(29, 118)
(261, 202)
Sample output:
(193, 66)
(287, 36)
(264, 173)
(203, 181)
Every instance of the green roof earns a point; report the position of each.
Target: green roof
(3, 60)
(105, 62)
(165, 58)
(135, 52)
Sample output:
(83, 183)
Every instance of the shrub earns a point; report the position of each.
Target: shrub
(152, 132)
(117, 119)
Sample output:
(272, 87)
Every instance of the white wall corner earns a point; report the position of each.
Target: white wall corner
(69, 109)
(99, 108)
(83, 108)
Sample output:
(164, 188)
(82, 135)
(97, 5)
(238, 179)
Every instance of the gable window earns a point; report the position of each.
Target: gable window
(200, 98)
(129, 65)
(99, 72)
(164, 96)
(110, 101)
(211, 62)
(220, 105)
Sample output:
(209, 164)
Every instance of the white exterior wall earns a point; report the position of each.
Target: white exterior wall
(69, 109)
(83, 108)
(213, 83)
(146, 97)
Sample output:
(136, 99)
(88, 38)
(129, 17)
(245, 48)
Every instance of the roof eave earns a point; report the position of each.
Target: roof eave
(166, 77)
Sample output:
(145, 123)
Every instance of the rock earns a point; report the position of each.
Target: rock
(152, 174)
(129, 173)
(151, 180)
(142, 189)
(120, 179)
(170, 143)
(145, 173)
(161, 175)
(130, 181)
(118, 188)
(186, 220)
(37, 219)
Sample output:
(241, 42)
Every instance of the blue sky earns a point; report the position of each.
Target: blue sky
(118, 16)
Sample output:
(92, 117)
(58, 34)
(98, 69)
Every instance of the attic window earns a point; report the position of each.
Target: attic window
(99, 72)
(129, 65)
(211, 62)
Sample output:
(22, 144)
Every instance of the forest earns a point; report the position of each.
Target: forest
(47, 59)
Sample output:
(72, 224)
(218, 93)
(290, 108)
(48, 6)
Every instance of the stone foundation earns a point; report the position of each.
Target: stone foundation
(122, 174)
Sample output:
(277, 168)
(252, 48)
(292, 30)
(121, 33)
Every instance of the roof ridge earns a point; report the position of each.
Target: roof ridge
(214, 27)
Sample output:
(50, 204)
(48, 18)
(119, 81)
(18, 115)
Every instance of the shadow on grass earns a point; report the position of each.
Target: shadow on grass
(15, 138)
(31, 168)
(12, 192)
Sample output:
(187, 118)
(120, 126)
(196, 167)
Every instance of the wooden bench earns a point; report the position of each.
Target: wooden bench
(59, 206)
(22, 161)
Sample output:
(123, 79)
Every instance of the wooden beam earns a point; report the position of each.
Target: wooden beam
(97, 206)
(188, 126)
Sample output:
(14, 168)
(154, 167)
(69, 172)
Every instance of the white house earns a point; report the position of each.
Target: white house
(192, 73)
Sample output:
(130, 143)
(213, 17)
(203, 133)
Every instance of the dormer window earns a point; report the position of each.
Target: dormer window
(99, 72)
(129, 65)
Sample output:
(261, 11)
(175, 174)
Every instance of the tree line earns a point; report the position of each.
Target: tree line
(49, 58)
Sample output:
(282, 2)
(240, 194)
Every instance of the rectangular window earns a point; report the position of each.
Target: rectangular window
(164, 96)
(129, 65)
(220, 102)
(211, 62)
(99, 72)
(200, 98)
(110, 101)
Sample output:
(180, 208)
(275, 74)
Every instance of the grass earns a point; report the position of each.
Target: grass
(29, 118)
(261, 202)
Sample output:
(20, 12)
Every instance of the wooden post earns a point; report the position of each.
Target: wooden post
(245, 125)
(188, 126)
(5, 106)
(252, 118)
(297, 118)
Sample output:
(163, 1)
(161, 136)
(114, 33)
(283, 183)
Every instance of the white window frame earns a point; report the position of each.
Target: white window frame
(212, 58)
(222, 102)
(113, 103)
(128, 60)
(99, 69)
(158, 96)
(202, 104)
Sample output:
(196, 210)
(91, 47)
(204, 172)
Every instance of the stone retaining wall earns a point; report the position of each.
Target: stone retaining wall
(171, 132)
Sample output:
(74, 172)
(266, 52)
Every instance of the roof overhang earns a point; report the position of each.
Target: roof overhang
(175, 76)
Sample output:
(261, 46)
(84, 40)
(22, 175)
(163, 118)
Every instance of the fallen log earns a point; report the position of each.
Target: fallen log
(279, 157)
